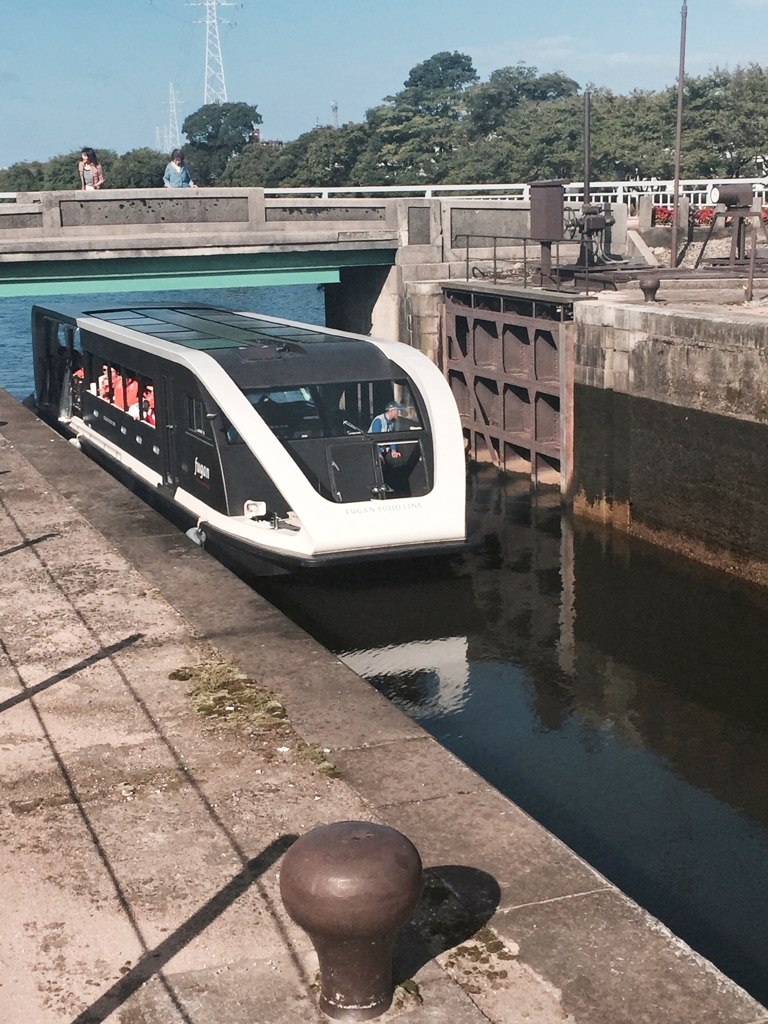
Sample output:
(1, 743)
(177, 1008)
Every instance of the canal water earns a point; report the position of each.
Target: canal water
(615, 691)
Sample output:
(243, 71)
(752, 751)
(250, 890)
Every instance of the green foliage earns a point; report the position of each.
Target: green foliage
(324, 157)
(446, 126)
(256, 167)
(217, 132)
(138, 168)
(61, 173)
(490, 103)
(726, 122)
(434, 88)
(22, 177)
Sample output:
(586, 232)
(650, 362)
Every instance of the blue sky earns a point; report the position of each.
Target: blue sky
(96, 72)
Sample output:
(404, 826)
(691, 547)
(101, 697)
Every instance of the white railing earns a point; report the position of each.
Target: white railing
(515, 192)
(698, 190)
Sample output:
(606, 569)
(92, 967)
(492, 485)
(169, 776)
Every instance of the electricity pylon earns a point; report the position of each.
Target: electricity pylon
(215, 86)
(174, 139)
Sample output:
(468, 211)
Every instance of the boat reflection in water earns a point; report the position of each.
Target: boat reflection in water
(616, 692)
(438, 669)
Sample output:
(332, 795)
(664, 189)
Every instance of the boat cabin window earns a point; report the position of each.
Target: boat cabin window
(131, 392)
(331, 410)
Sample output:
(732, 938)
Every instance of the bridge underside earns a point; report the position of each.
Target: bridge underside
(169, 273)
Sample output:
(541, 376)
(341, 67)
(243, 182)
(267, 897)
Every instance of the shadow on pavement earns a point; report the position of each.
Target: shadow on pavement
(457, 902)
(92, 659)
(155, 959)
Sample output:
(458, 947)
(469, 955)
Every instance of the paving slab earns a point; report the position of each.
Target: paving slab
(140, 842)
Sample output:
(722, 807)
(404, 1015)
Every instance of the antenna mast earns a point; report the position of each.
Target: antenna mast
(335, 112)
(215, 86)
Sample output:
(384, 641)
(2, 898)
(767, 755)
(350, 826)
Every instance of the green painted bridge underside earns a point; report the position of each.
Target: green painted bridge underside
(167, 273)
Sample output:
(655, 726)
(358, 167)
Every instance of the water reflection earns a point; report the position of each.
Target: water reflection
(616, 692)
(426, 678)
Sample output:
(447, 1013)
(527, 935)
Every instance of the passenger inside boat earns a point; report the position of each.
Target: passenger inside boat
(132, 394)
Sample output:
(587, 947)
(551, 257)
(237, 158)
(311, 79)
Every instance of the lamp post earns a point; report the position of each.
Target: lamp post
(679, 135)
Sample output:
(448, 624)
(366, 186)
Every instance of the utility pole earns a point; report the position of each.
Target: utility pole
(215, 86)
(679, 136)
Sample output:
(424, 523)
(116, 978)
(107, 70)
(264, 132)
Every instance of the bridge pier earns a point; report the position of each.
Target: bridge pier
(366, 300)
(380, 301)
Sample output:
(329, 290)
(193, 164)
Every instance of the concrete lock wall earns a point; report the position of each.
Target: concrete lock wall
(671, 429)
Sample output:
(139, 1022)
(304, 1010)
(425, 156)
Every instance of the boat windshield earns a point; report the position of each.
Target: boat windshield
(334, 410)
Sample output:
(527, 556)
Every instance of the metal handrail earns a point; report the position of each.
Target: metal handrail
(525, 240)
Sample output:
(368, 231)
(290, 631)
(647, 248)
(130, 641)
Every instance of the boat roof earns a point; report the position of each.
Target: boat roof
(254, 351)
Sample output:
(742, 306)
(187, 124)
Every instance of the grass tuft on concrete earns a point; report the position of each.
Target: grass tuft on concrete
(224, 692)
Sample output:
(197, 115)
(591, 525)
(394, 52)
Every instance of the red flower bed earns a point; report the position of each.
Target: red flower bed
(702, 215)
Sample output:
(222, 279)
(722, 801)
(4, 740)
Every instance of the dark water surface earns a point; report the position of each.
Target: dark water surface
(616, 692)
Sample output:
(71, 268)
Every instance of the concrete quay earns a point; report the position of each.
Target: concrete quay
(142, 839)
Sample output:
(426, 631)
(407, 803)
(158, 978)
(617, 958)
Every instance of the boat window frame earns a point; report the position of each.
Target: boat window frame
(357, 419)
(99, 368)
(198, 425)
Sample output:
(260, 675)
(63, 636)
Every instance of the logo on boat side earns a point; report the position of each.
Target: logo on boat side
(381, 506)
(202, 471)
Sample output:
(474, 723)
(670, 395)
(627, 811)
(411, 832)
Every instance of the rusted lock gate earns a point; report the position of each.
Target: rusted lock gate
(507, 356)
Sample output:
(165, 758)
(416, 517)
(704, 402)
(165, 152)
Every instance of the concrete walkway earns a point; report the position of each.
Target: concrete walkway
(141, 838)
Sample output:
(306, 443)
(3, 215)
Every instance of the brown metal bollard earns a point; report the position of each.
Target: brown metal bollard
(351, 886)
(649, 285)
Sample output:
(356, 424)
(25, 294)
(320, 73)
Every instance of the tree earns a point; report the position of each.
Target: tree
(410, 137)
(138, 168)
(726, 122)
(258, 166)
(26, 176)
(217, 132)
(490, 103)
(435, 87)
(406, 148)
(324, 156)
(61, 172)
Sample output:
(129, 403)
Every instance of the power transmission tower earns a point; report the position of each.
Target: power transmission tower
(162, 139)
(174, 139)
(215, 86)
(335, 112)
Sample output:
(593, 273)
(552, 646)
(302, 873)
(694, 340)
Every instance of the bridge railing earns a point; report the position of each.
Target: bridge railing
(697, 190)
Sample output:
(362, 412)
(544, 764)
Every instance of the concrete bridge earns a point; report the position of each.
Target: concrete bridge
(379, 258)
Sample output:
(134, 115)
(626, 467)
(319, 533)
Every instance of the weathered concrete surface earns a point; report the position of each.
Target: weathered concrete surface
(671, 421)
(141, 841)
(711, 358)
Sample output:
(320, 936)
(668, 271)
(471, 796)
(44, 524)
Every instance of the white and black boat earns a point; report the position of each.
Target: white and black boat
(262, 431)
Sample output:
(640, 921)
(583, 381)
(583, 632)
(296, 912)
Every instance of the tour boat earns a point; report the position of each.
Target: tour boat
(295, 443)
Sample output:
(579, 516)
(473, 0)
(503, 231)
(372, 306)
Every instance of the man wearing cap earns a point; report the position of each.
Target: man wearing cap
(385, 423)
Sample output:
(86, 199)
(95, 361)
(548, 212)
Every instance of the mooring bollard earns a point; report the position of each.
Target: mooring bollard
(351, 886)
(649, 285)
